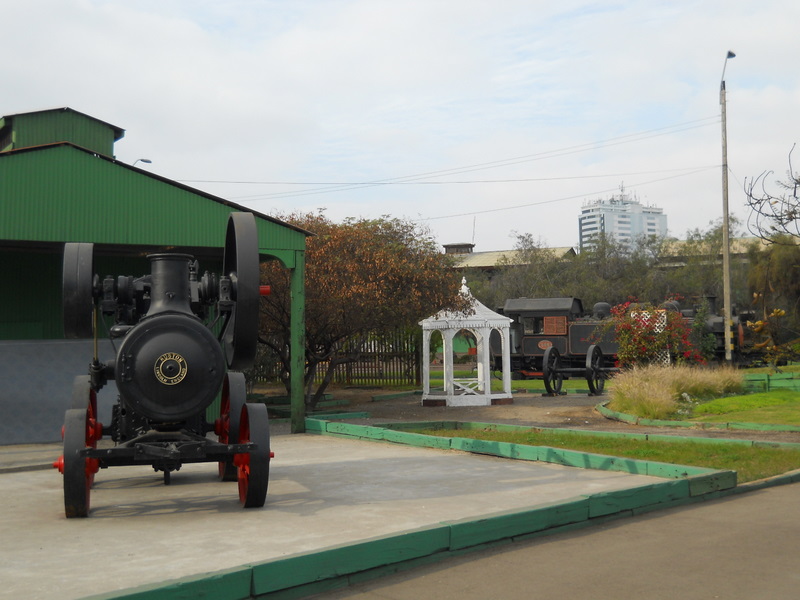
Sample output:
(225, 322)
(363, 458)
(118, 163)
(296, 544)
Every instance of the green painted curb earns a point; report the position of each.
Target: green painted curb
(634, 420)
(511, 524)
(346, 559)
(231, 584)
(607, 503)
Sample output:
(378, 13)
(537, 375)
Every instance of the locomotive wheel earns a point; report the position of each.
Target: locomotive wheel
(253, 468)
(234, 397)
(77, 283)
(594, 370)
(551, 364)
(78, 471)
(240, 263)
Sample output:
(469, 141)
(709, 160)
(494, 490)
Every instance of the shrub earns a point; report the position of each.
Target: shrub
(648, 335)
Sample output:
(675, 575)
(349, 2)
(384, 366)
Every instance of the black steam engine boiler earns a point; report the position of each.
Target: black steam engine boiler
(181, 340)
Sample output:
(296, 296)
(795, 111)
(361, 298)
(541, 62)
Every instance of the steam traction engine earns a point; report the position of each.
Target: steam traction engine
(169, 367)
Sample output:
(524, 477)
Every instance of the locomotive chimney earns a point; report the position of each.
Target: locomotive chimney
(169, 284)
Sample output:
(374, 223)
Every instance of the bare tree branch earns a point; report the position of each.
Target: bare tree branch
(773, 217)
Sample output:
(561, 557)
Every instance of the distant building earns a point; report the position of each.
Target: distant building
(459, 248)
(621, 217)
(464, 257)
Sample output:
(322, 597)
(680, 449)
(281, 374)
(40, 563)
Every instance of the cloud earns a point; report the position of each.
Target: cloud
(366, 90)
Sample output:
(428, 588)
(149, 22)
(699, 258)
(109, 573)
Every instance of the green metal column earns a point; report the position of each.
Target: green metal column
(297, 325)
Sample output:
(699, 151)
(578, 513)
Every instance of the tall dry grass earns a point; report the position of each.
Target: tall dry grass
(656, 392)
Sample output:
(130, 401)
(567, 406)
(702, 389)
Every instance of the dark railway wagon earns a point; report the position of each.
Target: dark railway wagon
(553, 339)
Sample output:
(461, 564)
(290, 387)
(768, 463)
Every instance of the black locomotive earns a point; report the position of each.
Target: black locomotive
(169, 367)
(554, 339)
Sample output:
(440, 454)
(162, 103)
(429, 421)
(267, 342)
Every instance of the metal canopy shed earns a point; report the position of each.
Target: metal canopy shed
(59, 182)
(467, 391)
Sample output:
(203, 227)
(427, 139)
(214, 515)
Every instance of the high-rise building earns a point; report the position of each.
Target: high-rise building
(621, 217)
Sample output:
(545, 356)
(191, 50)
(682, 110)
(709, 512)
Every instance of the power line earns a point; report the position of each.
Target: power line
(553, 200)
(420, 178)
(469, 181)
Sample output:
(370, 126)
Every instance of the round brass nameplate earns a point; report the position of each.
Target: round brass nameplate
(170, 368)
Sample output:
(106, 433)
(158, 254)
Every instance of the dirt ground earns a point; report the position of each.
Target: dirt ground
(574, 411)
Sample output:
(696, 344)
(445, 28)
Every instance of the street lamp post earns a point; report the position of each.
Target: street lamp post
(144, 160)
(726, 247)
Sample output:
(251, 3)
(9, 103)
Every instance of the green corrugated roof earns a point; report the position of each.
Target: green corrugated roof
(61, 192)
(37, 128)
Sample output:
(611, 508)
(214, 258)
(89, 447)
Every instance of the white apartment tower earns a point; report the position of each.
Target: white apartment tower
(621, 217)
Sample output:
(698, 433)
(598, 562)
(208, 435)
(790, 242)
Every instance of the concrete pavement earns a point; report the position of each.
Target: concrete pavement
(324, 491)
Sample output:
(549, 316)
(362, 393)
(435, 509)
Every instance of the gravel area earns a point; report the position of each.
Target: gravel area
(574, 411)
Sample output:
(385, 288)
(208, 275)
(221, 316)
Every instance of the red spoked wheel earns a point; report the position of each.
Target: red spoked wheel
(234, 397)
(78, 471)
(85, 398)
(253, 467)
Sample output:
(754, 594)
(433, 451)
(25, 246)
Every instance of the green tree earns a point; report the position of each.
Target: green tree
(534, 271)
(612, 271)
(363, 278)
(774, 279)
(693, 269)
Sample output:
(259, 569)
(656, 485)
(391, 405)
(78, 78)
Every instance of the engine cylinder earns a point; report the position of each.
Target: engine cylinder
(169, 367)
(169, 283)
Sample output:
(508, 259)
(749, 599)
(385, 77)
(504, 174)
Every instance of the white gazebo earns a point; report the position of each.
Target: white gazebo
(467, 391)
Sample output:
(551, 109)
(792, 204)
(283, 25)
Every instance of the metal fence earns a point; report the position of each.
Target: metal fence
(391, 358)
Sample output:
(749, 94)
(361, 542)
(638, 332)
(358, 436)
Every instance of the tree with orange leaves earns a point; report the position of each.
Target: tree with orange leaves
(363, 277)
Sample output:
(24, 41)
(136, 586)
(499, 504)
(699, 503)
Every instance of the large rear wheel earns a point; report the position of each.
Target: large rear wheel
(240, 263)
(253, 467)
(77, 282)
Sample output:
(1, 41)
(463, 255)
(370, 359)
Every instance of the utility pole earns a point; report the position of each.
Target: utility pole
(726, 243)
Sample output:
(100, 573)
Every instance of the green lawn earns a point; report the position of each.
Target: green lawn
(749, 463)
(533, 385)
(778, 407)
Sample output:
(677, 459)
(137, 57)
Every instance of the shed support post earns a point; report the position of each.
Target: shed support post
(426, 363)
(297, 325)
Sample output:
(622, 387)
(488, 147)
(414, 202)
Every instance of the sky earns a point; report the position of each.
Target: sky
(480, 120)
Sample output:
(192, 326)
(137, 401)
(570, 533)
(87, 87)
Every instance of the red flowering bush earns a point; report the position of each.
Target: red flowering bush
(649, 335)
